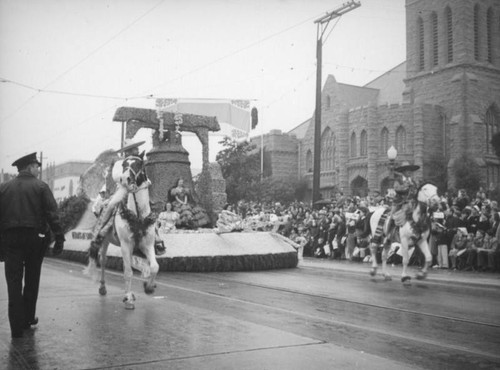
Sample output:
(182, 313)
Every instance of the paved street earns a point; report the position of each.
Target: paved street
(324, 314)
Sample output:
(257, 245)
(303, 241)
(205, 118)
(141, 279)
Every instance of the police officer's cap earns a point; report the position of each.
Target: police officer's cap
(26, 160)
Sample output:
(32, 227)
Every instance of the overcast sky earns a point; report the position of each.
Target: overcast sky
(67, 65)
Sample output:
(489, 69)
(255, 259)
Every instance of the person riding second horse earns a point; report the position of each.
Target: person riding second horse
(130, 149)
(405, 201)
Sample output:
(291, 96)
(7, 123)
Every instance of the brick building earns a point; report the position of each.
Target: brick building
(63, 179)
(439, 105)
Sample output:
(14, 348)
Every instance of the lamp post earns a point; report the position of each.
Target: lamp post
(392, 153)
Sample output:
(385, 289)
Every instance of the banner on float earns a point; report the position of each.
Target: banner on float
(234, 116)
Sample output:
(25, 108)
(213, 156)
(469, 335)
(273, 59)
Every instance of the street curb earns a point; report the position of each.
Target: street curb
(492, 280)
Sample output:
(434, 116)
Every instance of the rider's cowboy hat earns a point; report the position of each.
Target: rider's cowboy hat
(406, 166)
(130, 144)
(26, 160)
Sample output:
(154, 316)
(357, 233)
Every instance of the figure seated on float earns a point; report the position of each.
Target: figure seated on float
(168, 219)
(228, 221)
(191, 216)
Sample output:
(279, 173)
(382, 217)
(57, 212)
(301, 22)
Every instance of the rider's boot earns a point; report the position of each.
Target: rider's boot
(159, 245)
(103, 228)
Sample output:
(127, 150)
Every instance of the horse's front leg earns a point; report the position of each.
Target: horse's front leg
(385, 253)
(373, 251)
(404, 235)
(129, 297)
(102, 286)
(424, 247)
(149, 251)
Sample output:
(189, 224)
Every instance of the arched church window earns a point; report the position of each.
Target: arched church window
(435, 45)
(401, 139)
(476, 32)
(326, 148)
(363, 144)
(333, 151)
(328, 101)
(489, 34)
(354, 148)
(384, 140)
(309, 161)
(492, 126)
(420, 44)
(449, 34)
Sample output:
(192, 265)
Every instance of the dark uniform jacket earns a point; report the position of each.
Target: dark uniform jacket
(27, 202)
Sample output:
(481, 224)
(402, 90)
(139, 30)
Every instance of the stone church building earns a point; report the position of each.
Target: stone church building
(439, 106)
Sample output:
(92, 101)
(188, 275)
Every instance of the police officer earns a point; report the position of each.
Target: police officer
(28, 212)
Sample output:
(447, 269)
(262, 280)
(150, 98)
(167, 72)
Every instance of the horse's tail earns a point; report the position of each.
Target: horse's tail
(377, 221)
(91, 270)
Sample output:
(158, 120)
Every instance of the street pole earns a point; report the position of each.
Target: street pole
(322, 25)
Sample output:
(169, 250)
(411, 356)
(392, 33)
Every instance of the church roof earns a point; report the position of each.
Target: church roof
(390, 84)
(357, 96)
(300, 130)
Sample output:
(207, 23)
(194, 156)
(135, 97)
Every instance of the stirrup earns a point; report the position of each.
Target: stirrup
(160, 248)
(405, 278)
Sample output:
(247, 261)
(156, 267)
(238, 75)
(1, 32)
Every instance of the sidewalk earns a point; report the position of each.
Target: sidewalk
(434, 275)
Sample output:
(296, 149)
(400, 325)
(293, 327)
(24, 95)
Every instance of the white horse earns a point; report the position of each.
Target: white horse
(426, 196)
(133, 230)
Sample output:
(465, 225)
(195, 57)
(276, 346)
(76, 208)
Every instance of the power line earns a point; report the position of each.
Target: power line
(197, 69)
(81, 61)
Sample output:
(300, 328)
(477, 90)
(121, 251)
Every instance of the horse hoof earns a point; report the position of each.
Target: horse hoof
(406, 278)
(421, 275)
(373, 271)
(149, 289)
(128, 301)
(387, 277)
(102, 290)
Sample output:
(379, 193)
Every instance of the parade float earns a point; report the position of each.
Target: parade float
(201, 243)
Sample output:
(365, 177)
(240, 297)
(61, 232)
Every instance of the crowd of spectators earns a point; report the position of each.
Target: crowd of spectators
(464, 231)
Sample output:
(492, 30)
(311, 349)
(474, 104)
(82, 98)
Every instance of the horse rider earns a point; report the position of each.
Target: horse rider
(404, 201)
(130, 149)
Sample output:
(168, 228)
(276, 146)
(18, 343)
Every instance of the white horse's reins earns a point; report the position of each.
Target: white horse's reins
(136, 188)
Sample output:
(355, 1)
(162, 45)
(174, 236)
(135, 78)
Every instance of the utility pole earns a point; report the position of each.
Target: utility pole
(322, 25)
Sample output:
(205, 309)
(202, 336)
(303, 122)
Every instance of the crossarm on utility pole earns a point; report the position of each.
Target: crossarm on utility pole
(347, 7)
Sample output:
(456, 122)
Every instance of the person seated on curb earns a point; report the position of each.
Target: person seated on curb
(457, 247)
(471, 264)
(489, 245)
(130, 149)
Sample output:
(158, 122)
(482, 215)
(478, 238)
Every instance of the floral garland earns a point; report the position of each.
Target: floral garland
(137, 225)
